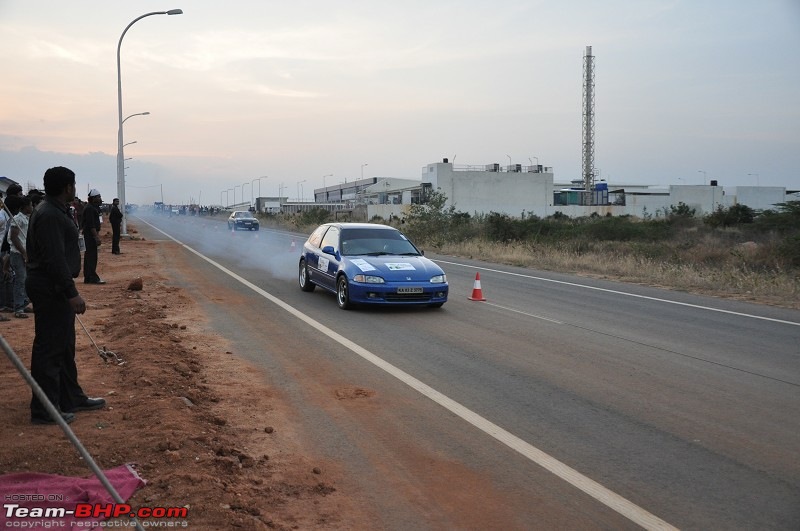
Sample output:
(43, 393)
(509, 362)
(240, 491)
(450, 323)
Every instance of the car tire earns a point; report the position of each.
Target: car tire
(343, 293)
(305, 282)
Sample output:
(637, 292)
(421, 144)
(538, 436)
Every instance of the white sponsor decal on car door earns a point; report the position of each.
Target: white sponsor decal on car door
(323, 263)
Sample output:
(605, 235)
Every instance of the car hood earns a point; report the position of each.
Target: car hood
(393, 267)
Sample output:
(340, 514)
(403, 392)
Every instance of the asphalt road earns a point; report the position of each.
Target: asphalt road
(560, 402)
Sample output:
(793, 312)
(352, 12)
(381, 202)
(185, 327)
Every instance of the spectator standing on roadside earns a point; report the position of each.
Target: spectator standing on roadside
(91, 234)
(3, 295)
(54, 260)
(6, 292)
(115, 217)
(18, 256)
(36, 197)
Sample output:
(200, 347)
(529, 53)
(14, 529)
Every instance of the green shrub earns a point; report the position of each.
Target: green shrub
(731, 216)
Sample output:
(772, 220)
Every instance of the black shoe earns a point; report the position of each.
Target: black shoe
(68, 417)
(90, 404)
(96, 281)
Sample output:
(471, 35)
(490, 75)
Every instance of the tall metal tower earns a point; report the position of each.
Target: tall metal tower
(588, 122)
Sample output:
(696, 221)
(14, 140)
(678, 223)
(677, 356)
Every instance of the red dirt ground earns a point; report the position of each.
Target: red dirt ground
(174, 410)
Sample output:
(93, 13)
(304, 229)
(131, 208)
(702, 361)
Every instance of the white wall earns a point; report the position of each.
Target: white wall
(532, 193)
(761, 197)
(504, 192)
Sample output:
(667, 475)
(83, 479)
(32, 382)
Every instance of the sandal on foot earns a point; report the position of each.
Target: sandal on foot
(20, 315)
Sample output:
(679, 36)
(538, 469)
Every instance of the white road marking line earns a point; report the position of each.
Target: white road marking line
(523, 313)
(709, 308)
(597, 491)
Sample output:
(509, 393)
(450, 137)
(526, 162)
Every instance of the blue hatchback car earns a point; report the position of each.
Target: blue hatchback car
(365, 263)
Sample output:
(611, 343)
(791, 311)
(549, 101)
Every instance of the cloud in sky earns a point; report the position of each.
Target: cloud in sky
(298, 90)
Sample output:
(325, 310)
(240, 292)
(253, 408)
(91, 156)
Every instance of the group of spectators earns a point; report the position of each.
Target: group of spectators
(41, 257)
(14, 219)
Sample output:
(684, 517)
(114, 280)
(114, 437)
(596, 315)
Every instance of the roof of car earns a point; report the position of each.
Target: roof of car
(344, 225)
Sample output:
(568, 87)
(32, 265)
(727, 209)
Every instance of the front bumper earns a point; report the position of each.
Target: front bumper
(363, 293)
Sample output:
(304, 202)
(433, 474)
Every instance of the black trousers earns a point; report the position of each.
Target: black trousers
(53, 355)
(90, 260)
(115, 233)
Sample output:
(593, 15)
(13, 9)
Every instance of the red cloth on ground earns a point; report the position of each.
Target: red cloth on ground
(32, 490)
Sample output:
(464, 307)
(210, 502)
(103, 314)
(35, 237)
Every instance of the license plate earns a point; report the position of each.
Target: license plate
(409, 290)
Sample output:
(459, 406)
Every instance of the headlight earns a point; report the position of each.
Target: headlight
(439, 279)
(369, 279)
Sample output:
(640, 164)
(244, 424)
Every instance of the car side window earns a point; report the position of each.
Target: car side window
(316, 236)
(331, 238)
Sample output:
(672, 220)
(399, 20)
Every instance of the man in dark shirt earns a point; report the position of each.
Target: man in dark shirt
(115, 217)
(91, 234)
(54, 260)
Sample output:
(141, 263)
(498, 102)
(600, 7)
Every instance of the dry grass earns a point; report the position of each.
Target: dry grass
(707, 267)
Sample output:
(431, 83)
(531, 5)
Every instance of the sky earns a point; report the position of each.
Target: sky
(266, 98)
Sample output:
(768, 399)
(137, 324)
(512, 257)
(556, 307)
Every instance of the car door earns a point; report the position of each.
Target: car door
(328, 263)
(311, 252)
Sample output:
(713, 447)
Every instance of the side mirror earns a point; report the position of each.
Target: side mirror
(328, 249)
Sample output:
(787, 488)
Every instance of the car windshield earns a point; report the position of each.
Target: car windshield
(243, 215)
(375, 242)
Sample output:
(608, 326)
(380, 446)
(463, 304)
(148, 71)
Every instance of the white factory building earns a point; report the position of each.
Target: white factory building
(518, 190)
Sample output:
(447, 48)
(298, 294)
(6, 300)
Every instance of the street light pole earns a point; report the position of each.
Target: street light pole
(120, 143)
(299, 187)
(325, 186)
(362, 170)
(756, 174)
(259, 187)
(704, 176)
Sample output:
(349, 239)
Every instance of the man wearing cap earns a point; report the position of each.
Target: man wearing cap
(91, 235)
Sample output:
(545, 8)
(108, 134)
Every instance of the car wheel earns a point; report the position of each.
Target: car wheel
(305, 282)
(343, 293)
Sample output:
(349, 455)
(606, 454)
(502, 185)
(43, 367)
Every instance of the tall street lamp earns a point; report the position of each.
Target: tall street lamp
(299, 186)
(704, 176)
(251, 191)
(234, 194)
(325, 186)
(751, 174)
(362, 170)
(120, 144)
(259, 186)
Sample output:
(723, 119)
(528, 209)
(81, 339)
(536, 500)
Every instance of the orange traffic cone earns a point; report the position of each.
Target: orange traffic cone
(477, 293)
